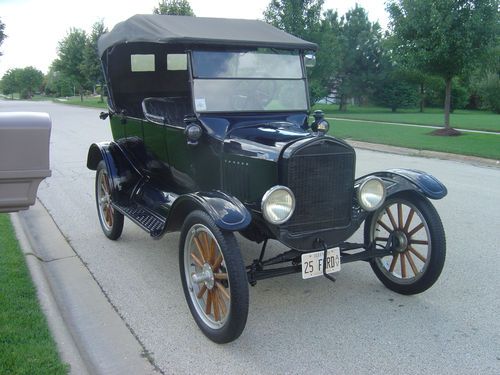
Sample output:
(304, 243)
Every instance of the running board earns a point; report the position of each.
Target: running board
(148, 220)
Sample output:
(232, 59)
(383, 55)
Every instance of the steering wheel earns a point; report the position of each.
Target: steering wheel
(253, 94)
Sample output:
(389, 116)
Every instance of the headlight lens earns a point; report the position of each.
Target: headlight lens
(371, 193)
(278, 204)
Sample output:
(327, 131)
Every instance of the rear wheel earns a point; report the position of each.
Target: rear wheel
(111, 220)
(418, 243)
(213, 278)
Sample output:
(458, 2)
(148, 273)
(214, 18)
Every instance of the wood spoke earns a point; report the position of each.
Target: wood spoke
(215, 301)
(416, 229)
(108, 217)
(208, 307)
(400, 215)
(202, 291)
(200, 249)
(211, 252)
(105, 184)
(204, 237)
(403, 266)
(223, 307)
(197, 260)
(391, 218)
(409, 219)
(393, 263)
(222, 289)
(381, 223)
(419, 242)
(412, 263)
(417, 254)
(220, 276)
(217, 263)
(381, 238)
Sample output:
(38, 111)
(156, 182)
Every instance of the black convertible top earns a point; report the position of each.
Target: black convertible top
(188, 30)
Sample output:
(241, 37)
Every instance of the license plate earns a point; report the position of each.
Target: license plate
(312, 263)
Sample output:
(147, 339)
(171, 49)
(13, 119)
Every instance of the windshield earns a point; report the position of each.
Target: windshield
(248, 81)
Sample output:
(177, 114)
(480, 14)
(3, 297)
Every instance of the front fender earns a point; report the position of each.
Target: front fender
(397, 180)
(226, 211)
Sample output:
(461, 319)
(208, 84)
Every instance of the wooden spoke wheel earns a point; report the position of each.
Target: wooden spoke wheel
(110, 219)
(214, 278)
(417, 239)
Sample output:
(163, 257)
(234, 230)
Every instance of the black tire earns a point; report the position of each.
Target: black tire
(111, 220)
(220, 256)
(419, 243)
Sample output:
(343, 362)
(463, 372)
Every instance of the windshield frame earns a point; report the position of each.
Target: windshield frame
(193, 77)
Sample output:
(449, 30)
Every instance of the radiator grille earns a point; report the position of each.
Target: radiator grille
(321, 175)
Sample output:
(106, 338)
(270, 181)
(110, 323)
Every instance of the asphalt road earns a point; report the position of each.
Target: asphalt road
(294, 326)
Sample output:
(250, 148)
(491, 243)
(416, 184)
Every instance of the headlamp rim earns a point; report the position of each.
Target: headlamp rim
(265, 198)
(363, 184)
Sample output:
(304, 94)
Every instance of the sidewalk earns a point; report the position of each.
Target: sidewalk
(84, 324)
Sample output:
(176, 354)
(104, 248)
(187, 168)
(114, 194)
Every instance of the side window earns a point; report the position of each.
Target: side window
(142, 63)
(176, 61)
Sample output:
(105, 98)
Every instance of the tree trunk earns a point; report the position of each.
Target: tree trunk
(447, 102)
(343, 104)
(81, 95)
(101, 100)
(447, 130)
(422, 97)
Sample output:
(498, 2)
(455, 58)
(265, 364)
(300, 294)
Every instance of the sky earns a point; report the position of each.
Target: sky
(34, 27)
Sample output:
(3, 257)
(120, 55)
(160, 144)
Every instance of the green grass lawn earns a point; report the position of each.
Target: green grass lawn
(26, 346)
(483, 145)
(461, 119)
(88, 101)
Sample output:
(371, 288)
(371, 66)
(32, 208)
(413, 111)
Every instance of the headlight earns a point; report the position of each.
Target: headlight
(371, 193)
(278, 204)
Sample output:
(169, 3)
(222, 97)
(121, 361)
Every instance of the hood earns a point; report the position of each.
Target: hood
(263, 141)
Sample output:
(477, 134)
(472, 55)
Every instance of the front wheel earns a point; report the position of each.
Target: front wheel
(413, 226)
(213, 278)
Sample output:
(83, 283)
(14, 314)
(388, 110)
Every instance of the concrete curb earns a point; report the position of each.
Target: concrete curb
(90, 334)
(66, 346)
(474, 160)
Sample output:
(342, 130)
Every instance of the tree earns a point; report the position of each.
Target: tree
(359, 56)
(395, 87)
(174, 8)
(91, 65)
(70, 58)
(56, 83)
(29, 80)
(23, 81)
(10, 83)
(322, 79)
(297, 17)
(489, 89)
(302, 18)
(443, 37)
(2, 33)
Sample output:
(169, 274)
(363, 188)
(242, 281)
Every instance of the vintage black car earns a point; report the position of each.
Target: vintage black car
(212, 136)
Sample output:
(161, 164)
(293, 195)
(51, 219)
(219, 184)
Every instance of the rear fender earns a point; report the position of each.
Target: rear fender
(123, 175)
(397, 180)
(227, 212)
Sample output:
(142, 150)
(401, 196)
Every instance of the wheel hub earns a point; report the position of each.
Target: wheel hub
(400, 242)
(206, 276)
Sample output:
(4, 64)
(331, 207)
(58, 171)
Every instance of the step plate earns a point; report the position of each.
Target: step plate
(146, 219)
